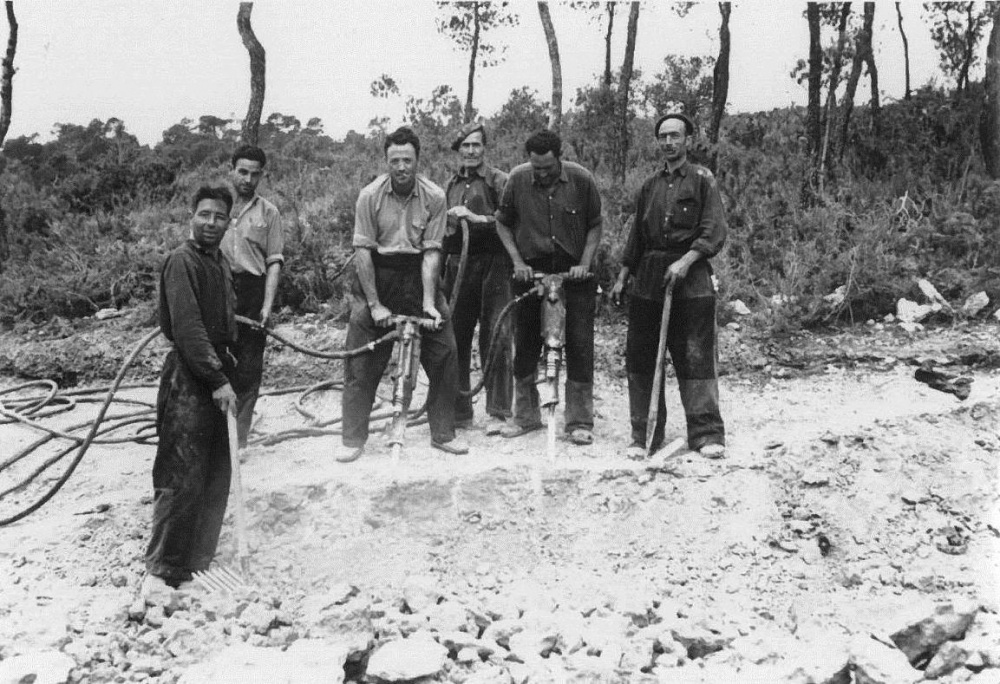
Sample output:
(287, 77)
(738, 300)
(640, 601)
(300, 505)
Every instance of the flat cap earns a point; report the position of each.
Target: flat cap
(467, 130)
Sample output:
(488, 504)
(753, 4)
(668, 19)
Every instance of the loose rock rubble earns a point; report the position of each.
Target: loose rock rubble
(849, 536)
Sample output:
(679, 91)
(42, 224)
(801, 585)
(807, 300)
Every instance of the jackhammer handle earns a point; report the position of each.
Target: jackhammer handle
(538, 275)
(423, 322)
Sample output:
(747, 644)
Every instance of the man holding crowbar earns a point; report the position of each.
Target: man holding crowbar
(679, 225)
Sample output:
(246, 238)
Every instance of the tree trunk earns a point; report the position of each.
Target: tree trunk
(875, 105)
(623, 93)
(720, 82)
(831, 95)
(476, 30)
(970, 45)
(607, 43)
(555, 115)
(861, 58)
(989, 124)
(251, 124)
(7, 73)
(813, 131)
(6, 101)
(906, 49)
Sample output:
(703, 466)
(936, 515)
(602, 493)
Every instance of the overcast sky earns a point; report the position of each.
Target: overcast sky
(154, 63)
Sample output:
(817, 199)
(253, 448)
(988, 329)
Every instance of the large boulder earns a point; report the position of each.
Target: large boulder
(404, 659)
(305, 661)
(38, 667)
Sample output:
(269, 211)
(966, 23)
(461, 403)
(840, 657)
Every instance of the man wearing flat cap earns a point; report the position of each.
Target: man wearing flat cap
(679, 225)
(473, 196)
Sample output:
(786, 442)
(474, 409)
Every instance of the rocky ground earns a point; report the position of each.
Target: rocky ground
(850, 535)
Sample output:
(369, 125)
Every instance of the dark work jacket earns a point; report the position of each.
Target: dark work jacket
(480, 192)
(675, 213)
(197, 305)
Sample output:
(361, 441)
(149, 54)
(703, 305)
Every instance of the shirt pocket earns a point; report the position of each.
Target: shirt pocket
(256, 233)
(686, 213)
(571, 218)
(416, 230)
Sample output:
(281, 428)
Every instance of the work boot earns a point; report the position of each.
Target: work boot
(348, 454)
(579, 411)
(635, 451)
(457, 446)
(494, 425)
(526, 411)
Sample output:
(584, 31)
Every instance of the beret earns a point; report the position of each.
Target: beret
(688, 123)
(464, 132)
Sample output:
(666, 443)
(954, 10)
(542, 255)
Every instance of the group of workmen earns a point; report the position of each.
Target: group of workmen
(544, 217)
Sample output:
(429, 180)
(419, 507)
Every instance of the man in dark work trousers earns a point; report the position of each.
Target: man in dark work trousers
(679, 225)
(473, 195)
(253, 245)
(550, 221)
(192, 467)
(399, 224)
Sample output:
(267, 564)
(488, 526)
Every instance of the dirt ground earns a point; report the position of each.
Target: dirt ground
(850, 495)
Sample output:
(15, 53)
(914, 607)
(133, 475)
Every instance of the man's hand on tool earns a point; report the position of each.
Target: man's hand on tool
(523, 273)
(380, 315)
(616, 292)
(579, 272)
(679, 269)
(432, 312)
(265, 314)
(460, 211)
(225, 398)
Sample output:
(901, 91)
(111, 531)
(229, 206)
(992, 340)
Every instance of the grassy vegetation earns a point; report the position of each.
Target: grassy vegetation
(91, 214)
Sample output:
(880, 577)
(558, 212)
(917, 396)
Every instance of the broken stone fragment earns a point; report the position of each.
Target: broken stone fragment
(405, 659)
(302, 662)
(420, 592)
(155, 616)
(449, 616)
(909, 312)
(258, 618)
(502, 630)
(920, 639)
(875, 663)
(942, 381)
(531, 644)
(738, 307)
(975, 303)
(698, 639)
(950, 656)
(467, 656)
(37, 667)
(814, 477)
(493, 674)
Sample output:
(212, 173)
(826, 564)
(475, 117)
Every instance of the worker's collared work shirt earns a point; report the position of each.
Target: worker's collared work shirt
(255, 238)
(197, 305)
(479, 190)
(391, 224)
(543, 219)
(675, 212)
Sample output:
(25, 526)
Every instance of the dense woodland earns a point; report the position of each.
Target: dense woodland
(835, 198)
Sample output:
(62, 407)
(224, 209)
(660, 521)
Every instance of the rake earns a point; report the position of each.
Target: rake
(221, 578)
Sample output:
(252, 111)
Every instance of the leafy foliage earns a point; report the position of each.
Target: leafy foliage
(91, 213)
(956, 29)
(466, 22)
